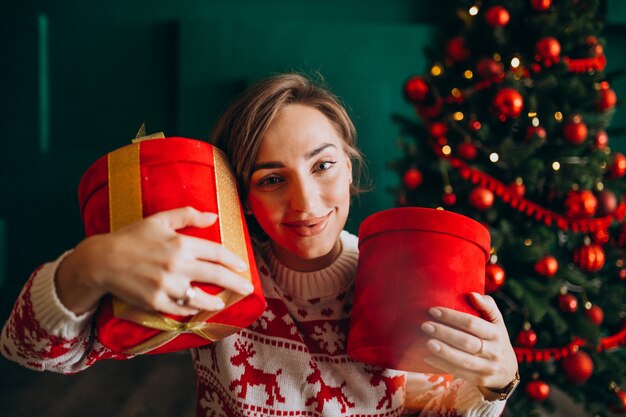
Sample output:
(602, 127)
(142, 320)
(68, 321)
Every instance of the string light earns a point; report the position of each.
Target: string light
(515, 62)
(532, 114)
(535, 122)
(600, 186)
(458, 116)
(528, 242)
(473, 10)
(456, 92)
(446, 150)
(494, 157)
(558, 116)
(436, 70)
(468, 74)
(556, 166)
(497, 57)
(603, 165)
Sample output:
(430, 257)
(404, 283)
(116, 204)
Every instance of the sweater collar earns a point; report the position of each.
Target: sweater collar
(316, 284)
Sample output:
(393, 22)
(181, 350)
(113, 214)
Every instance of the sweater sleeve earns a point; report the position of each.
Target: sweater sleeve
(42, 334)
(439, 395)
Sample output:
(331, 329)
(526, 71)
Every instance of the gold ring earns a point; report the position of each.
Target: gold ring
(482, 346)
(190, 294)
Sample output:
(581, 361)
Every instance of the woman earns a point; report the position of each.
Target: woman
(293, 147)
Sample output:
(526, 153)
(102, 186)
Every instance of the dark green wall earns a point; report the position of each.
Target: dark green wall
(78, 78)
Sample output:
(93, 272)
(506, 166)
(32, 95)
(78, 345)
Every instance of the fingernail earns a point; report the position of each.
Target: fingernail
(248, 288)
(433, 345)
(428, 328)
(211, 217)
(241, 266)
(435, 312)
(477, 296)
(219, 304)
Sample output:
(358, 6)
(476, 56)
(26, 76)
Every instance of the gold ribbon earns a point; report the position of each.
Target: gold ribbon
(125, 207)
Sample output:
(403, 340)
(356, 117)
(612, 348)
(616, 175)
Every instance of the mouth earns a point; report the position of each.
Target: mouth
(308, 227)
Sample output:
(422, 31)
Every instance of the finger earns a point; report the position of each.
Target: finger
(453, 337)
(206, 302)
(458, 358)
(185, 216)
(211, 273)
(213, 252)
(165, 304)
(465, 322)
(487, 306)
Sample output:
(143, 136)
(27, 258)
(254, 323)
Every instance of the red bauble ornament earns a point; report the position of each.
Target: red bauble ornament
(475, 125)
(607, 202)
(590, 258)
(537, 390)
(621, 398)
(578, 367)
(416, 89)
(541, 4)
(497, 16)
(412, 178)
(437, 129)
(618, 168)
(526, 338)
(481, 198)
(622, 274)
(548, 49)
(575, 131)
(607, 99)
(448, 199)
(467, 151)
(489, 69)
(595, 314)
(547, 266)
(456, 49)
(536, 132)
(580, 204)
(494, 278)
(601, 140)
(568, 303)
(508, 102)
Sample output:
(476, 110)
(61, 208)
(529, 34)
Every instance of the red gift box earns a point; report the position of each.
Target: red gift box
(155, 175)
(412, 259)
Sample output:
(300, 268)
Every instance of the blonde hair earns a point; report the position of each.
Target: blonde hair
(241, 128)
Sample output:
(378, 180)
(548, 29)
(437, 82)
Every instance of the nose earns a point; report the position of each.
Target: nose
(303, 195)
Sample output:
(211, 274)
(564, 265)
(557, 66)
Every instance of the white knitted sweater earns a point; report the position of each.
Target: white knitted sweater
(290, 362)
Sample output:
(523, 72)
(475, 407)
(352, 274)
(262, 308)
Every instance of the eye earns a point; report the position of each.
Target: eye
(269, 181)
(325, 165)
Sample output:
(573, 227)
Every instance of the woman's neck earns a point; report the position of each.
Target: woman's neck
(297, 263)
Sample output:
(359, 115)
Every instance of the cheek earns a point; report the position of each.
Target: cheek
(264, 209)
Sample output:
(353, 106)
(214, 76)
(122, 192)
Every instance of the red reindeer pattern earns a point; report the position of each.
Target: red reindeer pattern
(253, 376)
(326, 392)
(392, 384)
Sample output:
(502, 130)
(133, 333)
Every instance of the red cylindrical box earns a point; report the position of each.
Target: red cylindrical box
(412, 259)
(153, 176)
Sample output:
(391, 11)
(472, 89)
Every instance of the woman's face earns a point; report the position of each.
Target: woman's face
(299, 191)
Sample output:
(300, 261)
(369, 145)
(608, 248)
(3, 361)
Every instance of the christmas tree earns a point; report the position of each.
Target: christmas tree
(512, 131)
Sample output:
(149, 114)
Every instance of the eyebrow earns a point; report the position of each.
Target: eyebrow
(307, 156)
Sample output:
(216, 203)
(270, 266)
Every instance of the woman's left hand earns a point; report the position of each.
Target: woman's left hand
(475, 349)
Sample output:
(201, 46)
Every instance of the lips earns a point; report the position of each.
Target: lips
(308, 227)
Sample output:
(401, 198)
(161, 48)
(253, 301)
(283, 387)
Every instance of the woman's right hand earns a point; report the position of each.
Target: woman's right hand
(150, 265)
